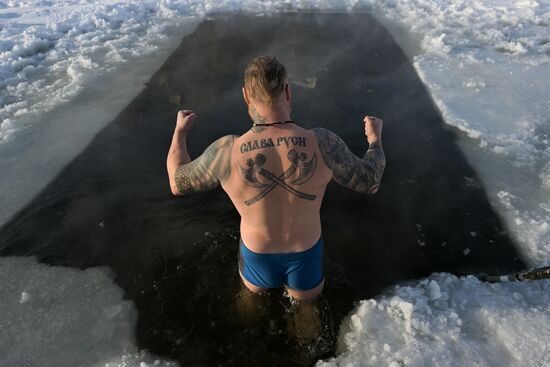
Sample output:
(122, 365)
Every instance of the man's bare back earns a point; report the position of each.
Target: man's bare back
(277, 182)
(276, 176)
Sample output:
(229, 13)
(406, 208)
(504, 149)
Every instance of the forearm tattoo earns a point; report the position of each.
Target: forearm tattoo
(362, 175)
(208, 170)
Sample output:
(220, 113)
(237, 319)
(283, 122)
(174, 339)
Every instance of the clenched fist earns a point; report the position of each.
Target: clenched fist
(373, 128)
(185, 121)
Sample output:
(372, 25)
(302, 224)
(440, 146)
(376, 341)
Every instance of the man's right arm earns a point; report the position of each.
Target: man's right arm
(361, 175)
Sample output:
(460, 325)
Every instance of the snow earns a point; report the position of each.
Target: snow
(486, 64)
(448, 321)
(52, 315)
(50, 49)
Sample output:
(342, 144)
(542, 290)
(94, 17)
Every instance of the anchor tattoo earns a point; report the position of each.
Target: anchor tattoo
(299, 164)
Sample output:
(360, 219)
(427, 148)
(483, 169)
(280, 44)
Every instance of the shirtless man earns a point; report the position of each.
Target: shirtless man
(276, 175)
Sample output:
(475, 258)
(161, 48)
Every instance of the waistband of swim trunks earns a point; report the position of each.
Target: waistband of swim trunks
(316, 246)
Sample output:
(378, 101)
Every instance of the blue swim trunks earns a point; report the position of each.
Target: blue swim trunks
(298, 270)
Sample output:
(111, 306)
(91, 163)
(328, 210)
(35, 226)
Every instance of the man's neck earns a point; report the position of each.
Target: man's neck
(266, 115)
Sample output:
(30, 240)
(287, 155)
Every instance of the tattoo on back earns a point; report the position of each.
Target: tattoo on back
(362, 175)
(287, 141)
(299, 172)
(208, 170)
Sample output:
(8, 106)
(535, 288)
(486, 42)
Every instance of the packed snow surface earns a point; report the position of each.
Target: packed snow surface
(486, 64)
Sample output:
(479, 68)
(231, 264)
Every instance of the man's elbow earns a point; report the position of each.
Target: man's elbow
(174, 189)
(365, 187)
(367, 190)
(371, 186)
(373, 189)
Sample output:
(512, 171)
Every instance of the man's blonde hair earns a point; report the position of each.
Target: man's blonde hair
(265, 79)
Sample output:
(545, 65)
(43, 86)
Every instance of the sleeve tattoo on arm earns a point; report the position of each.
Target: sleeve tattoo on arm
(208, 170)
(362, 175)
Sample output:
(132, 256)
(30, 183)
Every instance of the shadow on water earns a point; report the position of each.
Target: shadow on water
(176, 258)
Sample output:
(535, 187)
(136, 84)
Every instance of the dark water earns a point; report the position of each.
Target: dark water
(176, 257)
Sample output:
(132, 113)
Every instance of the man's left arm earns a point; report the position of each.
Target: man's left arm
(205, 172)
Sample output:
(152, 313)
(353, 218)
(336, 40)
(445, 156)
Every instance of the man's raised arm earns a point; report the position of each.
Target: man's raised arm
(205, 172)
(362, 175)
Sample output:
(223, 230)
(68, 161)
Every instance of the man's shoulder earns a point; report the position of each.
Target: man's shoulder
(321, 132)
(225, 141)
(220, 145)
(324, 135)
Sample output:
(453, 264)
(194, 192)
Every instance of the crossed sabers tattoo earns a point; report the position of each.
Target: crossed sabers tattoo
(305, 170)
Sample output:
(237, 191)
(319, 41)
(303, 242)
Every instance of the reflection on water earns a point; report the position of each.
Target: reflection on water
(312, 328)
(306, 328)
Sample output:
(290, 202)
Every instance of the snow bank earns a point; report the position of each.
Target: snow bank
(50, 49)
(449, 321)
(55, 316)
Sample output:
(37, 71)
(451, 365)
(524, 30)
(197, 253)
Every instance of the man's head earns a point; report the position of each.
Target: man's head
(265, 82)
